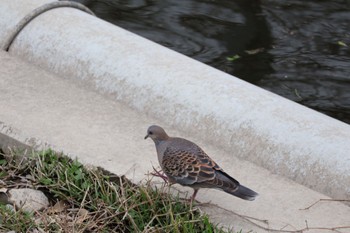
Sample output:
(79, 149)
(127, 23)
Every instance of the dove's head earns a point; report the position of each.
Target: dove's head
(156, 133)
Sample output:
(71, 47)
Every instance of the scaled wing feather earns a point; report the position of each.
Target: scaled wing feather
(189, 167)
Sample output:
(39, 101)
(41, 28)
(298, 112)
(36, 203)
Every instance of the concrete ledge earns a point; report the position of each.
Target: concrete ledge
(66, 116)
(246, 121)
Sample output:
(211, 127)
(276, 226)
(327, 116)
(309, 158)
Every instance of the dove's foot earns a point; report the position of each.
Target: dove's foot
(160, 174)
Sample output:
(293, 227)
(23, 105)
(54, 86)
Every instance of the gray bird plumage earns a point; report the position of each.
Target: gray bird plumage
(187, 164)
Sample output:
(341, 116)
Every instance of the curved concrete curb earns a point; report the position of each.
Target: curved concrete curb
(38, 11)
(253, 124)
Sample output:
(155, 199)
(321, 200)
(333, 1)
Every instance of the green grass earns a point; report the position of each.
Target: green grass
(92, 200)
(18, 221)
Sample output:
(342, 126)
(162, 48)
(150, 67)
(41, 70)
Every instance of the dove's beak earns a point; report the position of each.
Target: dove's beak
(146, 136)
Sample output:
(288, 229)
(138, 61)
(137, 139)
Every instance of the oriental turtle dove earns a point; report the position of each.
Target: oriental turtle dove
(187, 164)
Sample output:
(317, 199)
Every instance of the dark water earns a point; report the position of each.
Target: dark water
(297, 49)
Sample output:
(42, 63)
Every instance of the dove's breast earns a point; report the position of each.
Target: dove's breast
(161, 147)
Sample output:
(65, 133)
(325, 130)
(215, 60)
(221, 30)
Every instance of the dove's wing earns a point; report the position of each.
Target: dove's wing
(189, 166)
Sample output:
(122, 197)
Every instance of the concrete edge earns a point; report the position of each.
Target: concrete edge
(13, 139)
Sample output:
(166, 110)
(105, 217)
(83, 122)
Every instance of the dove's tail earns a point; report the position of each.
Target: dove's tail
(244, 193)
(228, 184)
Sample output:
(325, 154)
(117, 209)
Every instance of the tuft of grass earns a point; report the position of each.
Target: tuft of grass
(92, 200)
(18, 221)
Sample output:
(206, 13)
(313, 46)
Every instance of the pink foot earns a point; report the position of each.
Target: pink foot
(160, 174)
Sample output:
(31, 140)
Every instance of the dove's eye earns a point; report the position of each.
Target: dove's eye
(150, 133)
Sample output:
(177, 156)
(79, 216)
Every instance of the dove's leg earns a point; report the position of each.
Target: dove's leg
(194, 195)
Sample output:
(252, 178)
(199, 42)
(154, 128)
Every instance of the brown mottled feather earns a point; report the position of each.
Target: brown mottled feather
(188, 168)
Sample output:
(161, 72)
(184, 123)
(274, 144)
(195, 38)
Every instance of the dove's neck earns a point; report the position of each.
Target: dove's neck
(160, 138)
(158, 141)
(161, 146)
